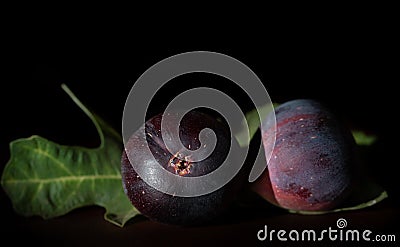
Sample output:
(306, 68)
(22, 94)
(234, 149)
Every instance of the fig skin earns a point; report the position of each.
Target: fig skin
(313, 161)
(169, 209)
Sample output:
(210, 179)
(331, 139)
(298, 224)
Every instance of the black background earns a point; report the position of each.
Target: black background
(347, 67)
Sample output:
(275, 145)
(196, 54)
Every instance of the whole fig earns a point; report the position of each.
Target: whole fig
(312, 162)
(171, 209)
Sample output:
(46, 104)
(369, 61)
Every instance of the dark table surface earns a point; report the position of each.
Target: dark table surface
(86, 227)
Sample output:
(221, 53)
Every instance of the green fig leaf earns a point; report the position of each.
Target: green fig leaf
(251, 123)
(47, 179)
(362, 138)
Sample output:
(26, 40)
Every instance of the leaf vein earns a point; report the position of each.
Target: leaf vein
(54, 159)
(64, 179)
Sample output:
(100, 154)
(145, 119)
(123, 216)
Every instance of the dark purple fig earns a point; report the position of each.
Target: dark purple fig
(166, 208)
(312, 162)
